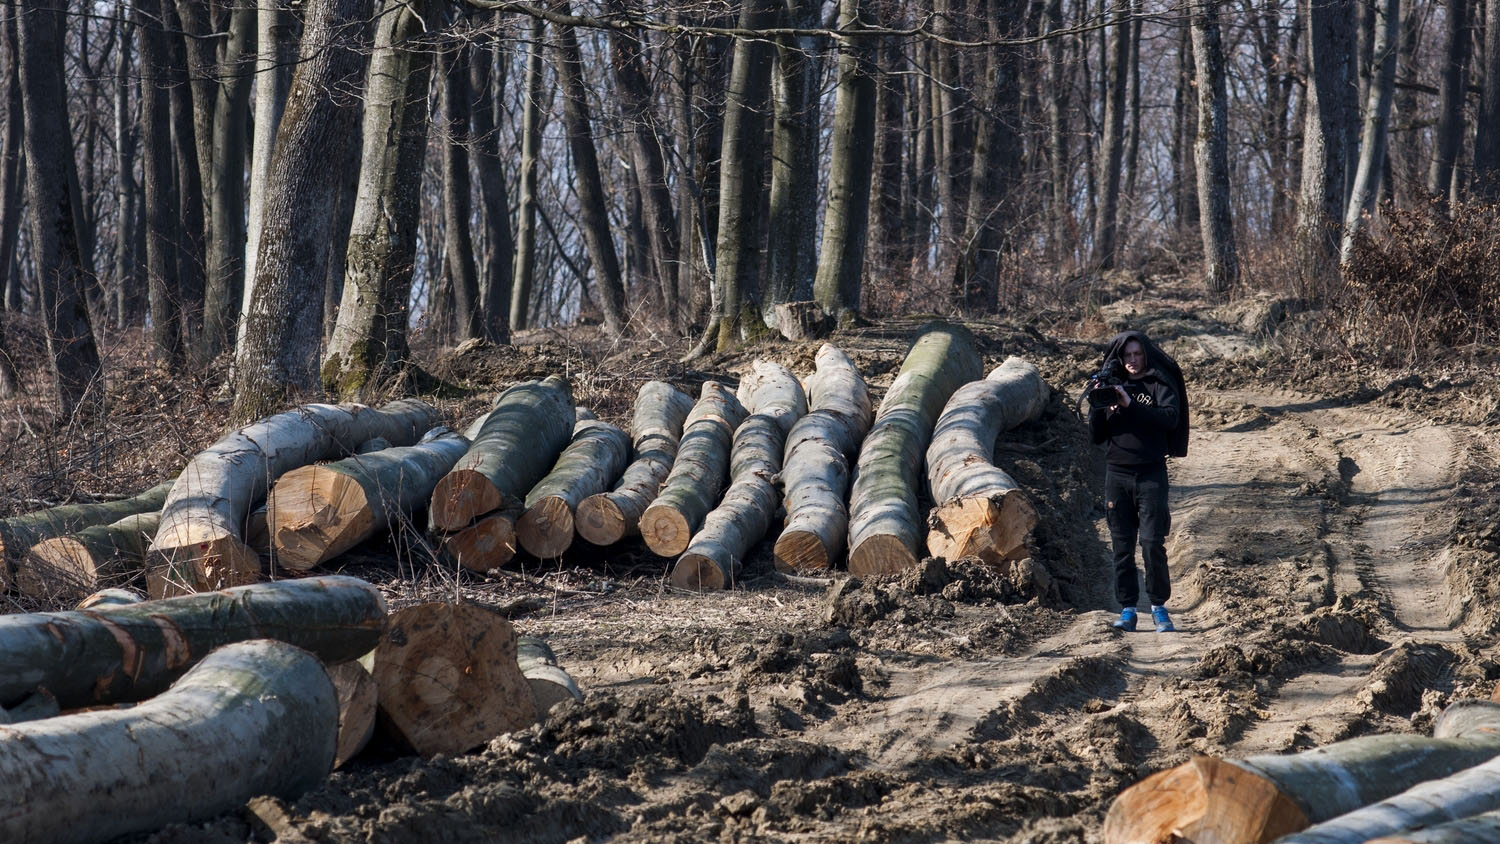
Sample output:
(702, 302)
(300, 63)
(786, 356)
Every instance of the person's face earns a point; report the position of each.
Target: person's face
(1135, 359)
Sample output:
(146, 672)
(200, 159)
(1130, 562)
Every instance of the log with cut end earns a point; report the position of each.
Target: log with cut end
(511, 450)
(589, 465)
(487, 544)
(550, 685)
(128, 653)
(815, 474)
(698, 474)
(252, 718)
(981, 511)
(355, 690)
(448, 678)
(716, 555)
(885, 529)
(771, 389)
(200, 544)
(1263, 797)
(799, 321)
(315, 513)
(1480, 829)
(655, 430)
(99, 557)
(19, 533)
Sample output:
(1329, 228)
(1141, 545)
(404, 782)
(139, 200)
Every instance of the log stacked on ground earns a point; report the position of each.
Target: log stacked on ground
(448, 678)
(355, 690)
(713, 560)
(511, 450)
(590, 464)
(487, 544)
(129, 653)
(815, 474)
(655, 430)
(698, 473)
(885, 530)
(1480, 829)
(315, 513)
(19, 533)
(252, 718)
(1263, 797)
(98, 557)
(550, 684)
(200, 543)
(981, 511)
(115, 597)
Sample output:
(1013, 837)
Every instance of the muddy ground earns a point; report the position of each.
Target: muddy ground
(1334, 554)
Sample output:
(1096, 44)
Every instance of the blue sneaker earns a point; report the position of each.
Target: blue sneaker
(1163, 621)
(1126, 621)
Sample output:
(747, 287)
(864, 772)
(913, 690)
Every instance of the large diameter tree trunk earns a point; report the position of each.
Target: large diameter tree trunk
(1448, 140)
(200, 544)
(981, 511)
(1330, 110)
(488, 88)
(770, 389)
(1221, 263)
(19, 533)
(1466, 793)
(656, 430)
(791, 249)
(884, 525)
(1480, 829)
(589, 465)
(73, 566)
(121, 654)
(226, 179)
(158, 189)
(457, 185)
(1487, 129)
(1372, 145)
(253, 718)
(276, 55)
(1257, 799)
(698, 474)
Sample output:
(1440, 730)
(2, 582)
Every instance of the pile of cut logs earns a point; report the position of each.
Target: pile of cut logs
(699, 481)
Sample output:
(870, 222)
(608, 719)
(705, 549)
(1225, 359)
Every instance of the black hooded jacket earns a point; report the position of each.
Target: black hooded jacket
(1155, 424)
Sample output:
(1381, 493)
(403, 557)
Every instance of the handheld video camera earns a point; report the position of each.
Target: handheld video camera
(1102, 391)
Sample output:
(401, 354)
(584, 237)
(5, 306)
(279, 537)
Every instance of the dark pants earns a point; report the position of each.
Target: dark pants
(1136, 498)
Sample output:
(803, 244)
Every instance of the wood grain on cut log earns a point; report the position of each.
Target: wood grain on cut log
(589, 465)
(715, 557)
(655, 430)
(70, 567)
(487, 544)
(550, 684)
(981, 511)
(356, 693)
(1480, 829)
(200, 543)
(1264, 797)
(448, 678)
(258, 530)
(511, 450)
(815, 472)
(698, 474)
(19, 533)
(129, 653)
(315, 513)
(885, 530)
(252, 718)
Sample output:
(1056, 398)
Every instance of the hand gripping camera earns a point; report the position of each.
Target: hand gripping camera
(1102, 385)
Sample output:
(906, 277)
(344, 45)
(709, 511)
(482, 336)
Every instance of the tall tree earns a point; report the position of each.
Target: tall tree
(1184, 134)
(10, 187)
(225, 182)
(1450, 127)
(532, 111)
(1221, 266)
(191, 267)
(162, 225)
(888, 238)
(1056, 83)
(487, 81)
(791, 249)
(276, 55)
(846, 219)
(954, 138)
(1380, 94)
(1487, 130)
(1112, 145)
(457, 207)
(127, 275)
(54, 237)
(1330, 112)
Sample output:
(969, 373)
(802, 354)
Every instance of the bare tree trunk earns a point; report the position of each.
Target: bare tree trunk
(1112, 145)
(1382, 90)
(226, 185)
(276, 54)
(955, 142)
(10, 182)
(457, 107)
(1184, 133)
(531, 142)
(128, 279)
(888, 237)
(1221, 265)
(1060, 219)
(1325, 155)
(1133, 134)
(1487, 130)
(1266, 30)
(791, 248)
(191, 235)
(162, 226)
(54, 239)
(1450, 128)
(279, 357)
(845, 222)
(487, 82)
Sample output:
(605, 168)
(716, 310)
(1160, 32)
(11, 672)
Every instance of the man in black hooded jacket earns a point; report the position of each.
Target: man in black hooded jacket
(1146, 423)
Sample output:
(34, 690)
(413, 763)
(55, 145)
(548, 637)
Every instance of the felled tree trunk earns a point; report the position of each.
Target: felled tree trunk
(356, 693)
(129, 653)
(19, 533)
(487, 544)
(815, 473)
(1480, 829)
(1465, 794)
(550, 685)
(511, 451)
(69, 567)
(591, 462)
(981, 511)
(714, 558)
(656, 430)
(698, 473)
(315, 513)
(771, 389)
(104, 598)
(1263, 797)
(252, 718)
(884, 526)
(448, 678)
(200, 543)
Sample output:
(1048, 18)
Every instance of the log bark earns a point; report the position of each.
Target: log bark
(698, 473)
(129, 653)
(1263, 797)
(511, 451)
(802, 321)
(19, 533)
(487, 544)
(982, 512)
(70, 567)
(357, 699)
(815, 473)
(1480, 829)
(1465, 794)
(448, 678)
(588, 466)
(116, 597)
(550, 685)
(315, 513)
(253, 718)
(772, 390)
(200, 543)
(884, 526)
(656, 430)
